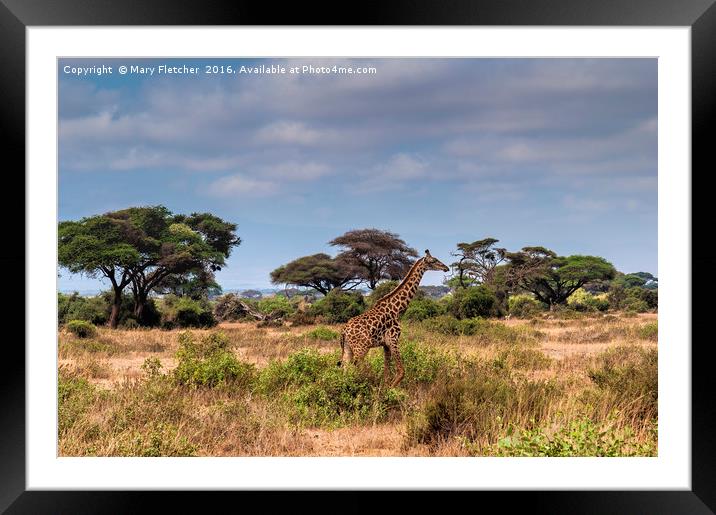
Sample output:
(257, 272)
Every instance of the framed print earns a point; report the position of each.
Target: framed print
(224, 224)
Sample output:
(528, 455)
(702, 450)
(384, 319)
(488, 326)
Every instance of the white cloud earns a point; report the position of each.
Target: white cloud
(238, 185)
(290, 133)
(396, 172)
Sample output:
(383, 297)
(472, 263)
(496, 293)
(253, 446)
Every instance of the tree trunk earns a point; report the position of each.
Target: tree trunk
(116, 305)
(139, 302)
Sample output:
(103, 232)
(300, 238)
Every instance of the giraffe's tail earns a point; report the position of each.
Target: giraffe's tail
(343, 344)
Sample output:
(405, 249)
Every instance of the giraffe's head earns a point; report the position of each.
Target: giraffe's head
(432, 263)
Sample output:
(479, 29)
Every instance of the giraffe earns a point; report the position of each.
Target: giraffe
(380, 325)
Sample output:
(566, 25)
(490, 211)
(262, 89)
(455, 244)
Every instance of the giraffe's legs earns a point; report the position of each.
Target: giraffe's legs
(347, 355)
(358, 354)
(386, 364)
(399, 371)
(391, 339)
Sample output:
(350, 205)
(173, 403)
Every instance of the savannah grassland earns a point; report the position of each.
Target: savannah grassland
(546, 386)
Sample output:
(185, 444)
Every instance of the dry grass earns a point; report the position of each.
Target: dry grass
(112, 406)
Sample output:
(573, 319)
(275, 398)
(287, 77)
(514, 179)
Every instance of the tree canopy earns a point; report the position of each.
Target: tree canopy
(375, 255)
(477, 261)
(144, 247)
(318, 271)
(551, 278)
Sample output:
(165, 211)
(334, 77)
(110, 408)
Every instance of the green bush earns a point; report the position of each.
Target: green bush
(316, 392)
(323, 333)
(630, 373)
(338, 306)
(421, 309)
(76, 307)
(130, 323)
(186, 312)
(475, 301)
(635, 299)
(151, 367)
(635, 304)
(276, 306)
(582, 300)
(209, 362)
(447, 324)
(581, 437)
(523, 306)
(81, 328)
(444, 324)
(649, 296)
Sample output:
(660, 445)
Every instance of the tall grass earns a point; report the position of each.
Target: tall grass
(243, 391)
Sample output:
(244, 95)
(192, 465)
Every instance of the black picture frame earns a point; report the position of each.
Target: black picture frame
(699, 15)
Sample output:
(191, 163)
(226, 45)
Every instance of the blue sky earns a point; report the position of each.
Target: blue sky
(554, 152)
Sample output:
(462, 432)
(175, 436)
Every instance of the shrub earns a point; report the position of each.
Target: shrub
(630, 373)
(316, 392)
(648, 296)
(635, 304)
(636, 299)
(582, 300)
(302, 318)
(130, 323)
(186, 312)
(323, 333)
(523, 306)
(475, 301)
(581, 437)
(338, 306)
(81, 328)
(479, 403)
(649, 331)
(277, 306)
(208, 362)
(151, 367)
(76, 307)
(444, 324)
(421, 309)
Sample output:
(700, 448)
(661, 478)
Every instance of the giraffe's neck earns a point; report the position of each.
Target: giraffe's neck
(401, 296)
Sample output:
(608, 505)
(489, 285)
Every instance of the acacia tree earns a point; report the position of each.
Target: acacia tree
(477, 261)
(173, 245)
(551, 278)
(144, 246)
(318, 271)
(375, 255)
(98, 246)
